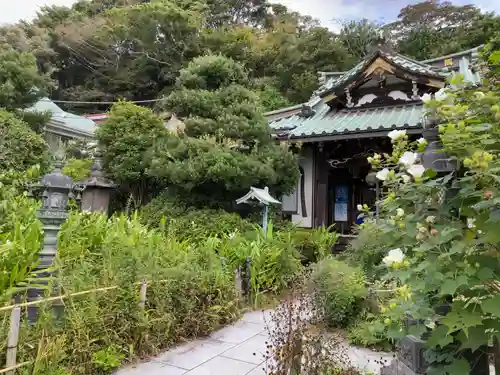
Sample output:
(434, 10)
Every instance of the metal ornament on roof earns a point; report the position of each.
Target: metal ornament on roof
(263, 196)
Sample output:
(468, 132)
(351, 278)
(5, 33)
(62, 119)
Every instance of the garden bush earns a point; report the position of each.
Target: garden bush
(185, 222)
(189, 294)
(340, 289)
(20, 147)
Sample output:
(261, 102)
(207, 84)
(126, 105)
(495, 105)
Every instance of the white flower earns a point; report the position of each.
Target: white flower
(426, 98)
(416, 170)
(359, 207)
(471, 223)
(430, 219)
(394, 256)
(479, 95)
(408, 159)
(422, 140)
(441, 95)
(382, 175)
(400, 212)
(396, 134)
(406, 178)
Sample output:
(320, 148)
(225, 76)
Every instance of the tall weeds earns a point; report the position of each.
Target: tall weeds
(189, 294)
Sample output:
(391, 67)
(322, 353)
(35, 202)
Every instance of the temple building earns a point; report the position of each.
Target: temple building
(347, 119)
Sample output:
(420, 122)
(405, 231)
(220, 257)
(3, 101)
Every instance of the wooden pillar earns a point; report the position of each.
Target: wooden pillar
(321, 187)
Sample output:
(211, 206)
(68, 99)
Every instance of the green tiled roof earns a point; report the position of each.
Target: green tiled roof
(360, 120)
(67, 120)
(286, 123)
(397, 59)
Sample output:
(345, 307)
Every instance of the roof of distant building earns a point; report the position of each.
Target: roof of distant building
(63, 120)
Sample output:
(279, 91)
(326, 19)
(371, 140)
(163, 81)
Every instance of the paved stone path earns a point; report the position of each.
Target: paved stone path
(234, 350)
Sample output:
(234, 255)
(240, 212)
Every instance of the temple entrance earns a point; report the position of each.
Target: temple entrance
(346, 167)
(345, 192)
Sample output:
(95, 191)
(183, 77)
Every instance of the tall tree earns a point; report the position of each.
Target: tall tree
(21, 85)
(434, 28)
(358, 37)
(227, 146)
(126, 138)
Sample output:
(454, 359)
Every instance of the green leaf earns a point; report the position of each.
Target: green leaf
(461, 319)
(439, 337)
(450, 286)
(458, 367)
(491, 305)
(476, 338)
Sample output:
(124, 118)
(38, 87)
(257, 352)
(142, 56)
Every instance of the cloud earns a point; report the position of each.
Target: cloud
(332, 13)
(26, 9)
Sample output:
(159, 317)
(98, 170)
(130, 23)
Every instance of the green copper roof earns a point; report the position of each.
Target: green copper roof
(67, 120)
(360, 120)
(395, 58)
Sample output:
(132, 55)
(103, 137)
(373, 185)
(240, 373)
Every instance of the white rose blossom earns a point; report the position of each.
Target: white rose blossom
(400, 212)
(416, 170)
(471, 223)
(396, 134)
(394, 256)
(408, 159)
(406, 178)
(426, 98)
(382, 175)
(479, 94)
(441, 95)
(422, 140)
(360, 207)
(430, 219)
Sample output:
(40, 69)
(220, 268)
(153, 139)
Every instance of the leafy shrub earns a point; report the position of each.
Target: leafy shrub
(341, 291)
(190, 223)
(315, 244)
(107, 359)
(77, 169)
(371, 332)
(20, 147)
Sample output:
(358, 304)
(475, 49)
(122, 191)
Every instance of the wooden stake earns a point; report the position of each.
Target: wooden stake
(142, 293)
(13, 338)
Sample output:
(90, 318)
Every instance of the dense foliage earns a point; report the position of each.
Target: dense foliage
(105, 50)
(341, 291)
(126, 140)
(20, 146)
(20, 233)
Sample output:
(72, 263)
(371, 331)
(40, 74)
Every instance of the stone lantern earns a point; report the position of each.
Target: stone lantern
(54, 190)
(98, 188)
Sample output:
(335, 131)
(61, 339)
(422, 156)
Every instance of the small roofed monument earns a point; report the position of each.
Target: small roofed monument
(348, 119)
(264, 198)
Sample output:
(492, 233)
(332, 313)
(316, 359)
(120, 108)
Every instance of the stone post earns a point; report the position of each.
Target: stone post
(98, 188)
(433, 157)
(54, 189)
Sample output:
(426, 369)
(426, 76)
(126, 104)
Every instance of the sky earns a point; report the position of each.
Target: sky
(329, 12)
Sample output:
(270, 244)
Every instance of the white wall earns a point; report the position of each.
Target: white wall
(307, 163)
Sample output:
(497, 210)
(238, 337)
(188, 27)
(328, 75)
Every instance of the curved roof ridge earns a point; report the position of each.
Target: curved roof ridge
(465, 52)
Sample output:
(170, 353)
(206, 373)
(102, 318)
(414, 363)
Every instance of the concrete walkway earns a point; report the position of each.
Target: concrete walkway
(234, 350)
